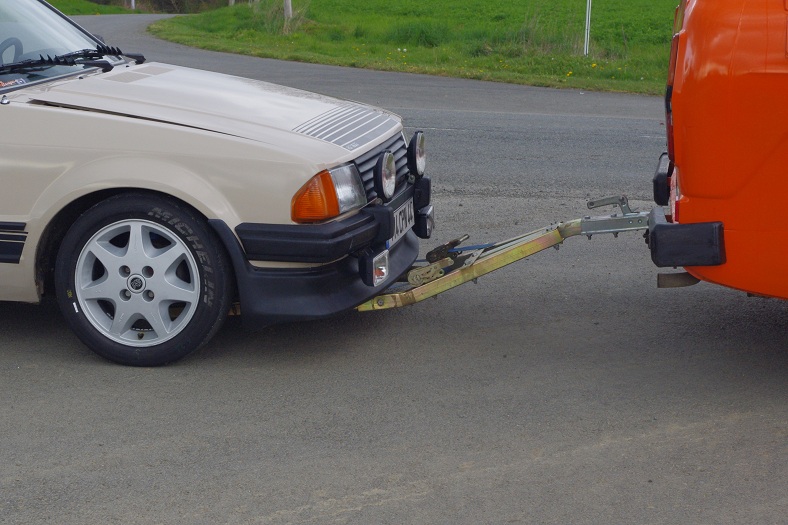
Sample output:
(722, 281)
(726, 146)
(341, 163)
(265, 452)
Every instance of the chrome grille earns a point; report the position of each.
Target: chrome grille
(366, 163)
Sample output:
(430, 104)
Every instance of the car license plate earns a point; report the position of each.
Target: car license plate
(404, 219)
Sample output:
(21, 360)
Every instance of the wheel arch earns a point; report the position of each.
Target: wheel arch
(55, 230)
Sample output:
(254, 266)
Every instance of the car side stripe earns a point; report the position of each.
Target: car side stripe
(12, 241)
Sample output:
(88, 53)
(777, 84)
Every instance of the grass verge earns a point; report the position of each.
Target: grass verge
(537, 42)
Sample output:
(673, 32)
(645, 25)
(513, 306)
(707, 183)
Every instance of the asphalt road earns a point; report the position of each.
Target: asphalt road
(563, 389)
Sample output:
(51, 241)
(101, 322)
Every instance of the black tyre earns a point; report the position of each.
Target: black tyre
(141, 280)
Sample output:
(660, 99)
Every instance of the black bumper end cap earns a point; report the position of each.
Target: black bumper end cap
(695, 244)
(425, 222)
(661, 180)
(422, 193)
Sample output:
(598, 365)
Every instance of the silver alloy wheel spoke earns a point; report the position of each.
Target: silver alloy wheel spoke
(165, 260)
(123, 320)
(137, 282)
(153, 314)
(177, 294)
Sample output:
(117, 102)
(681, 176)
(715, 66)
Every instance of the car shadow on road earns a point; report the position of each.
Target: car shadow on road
(731, 332)
(38, 332)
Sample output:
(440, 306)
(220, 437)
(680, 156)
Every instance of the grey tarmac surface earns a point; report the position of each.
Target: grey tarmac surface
(563, 389)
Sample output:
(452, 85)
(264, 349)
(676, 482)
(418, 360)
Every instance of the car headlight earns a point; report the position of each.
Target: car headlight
(417, 155)
(328, 194)
(385, 176)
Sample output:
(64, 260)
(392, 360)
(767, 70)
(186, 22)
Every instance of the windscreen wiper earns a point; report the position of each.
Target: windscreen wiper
(139, 58)
(83, 57)
(100, 52)
(77, 58)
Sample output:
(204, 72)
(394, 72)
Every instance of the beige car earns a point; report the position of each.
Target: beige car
(149, 198)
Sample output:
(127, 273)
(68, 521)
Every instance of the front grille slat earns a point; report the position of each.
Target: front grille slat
(366, 163)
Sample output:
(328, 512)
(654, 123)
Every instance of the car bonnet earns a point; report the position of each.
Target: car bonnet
(225, 104)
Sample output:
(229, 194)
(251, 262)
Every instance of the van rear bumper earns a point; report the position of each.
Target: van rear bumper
(674, 245)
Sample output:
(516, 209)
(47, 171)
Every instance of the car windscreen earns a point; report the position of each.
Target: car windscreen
(29, 30)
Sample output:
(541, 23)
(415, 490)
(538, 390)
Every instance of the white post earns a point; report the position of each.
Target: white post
(288, 9)
(588, 28)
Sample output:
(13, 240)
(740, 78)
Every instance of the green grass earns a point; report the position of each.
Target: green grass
(537, 42)
(83, 7)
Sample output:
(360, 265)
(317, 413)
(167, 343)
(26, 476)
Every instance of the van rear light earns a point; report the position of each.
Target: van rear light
(674, 56)
(678, 25)
(674, 52)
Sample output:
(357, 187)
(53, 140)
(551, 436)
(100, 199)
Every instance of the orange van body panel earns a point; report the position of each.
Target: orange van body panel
(730, 121)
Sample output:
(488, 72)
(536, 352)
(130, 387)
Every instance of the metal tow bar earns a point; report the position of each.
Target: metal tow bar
(449, 267)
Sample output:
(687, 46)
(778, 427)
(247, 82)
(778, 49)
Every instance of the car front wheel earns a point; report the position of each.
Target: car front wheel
(141, 280)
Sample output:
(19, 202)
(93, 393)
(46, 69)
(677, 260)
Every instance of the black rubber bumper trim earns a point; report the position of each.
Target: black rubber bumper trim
(695, 244)
(321, 243)
(661, 180)
(276, 295)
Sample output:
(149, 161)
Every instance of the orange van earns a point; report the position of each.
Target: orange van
(724, 180)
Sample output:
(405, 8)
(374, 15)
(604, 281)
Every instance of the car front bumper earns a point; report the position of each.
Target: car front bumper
(341, 251)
